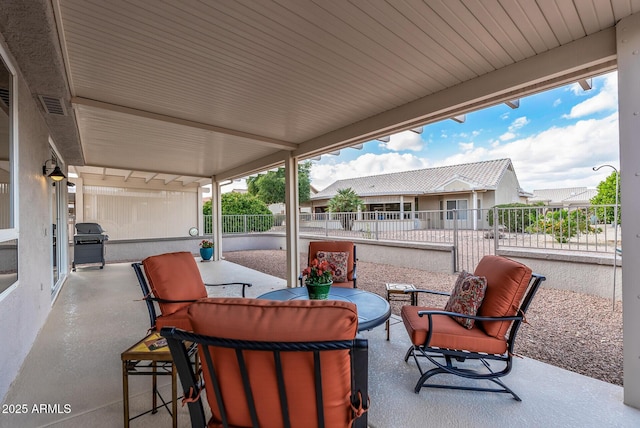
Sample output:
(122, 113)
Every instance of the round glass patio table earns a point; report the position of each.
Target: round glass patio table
(373, 310)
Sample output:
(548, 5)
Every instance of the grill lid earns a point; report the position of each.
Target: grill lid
(88, 228)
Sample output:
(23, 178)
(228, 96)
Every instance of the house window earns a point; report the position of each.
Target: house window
(457, 204)
(8, 182)
(479, 209)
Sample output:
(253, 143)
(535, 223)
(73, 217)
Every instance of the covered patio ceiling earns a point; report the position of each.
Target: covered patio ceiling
(224, 89)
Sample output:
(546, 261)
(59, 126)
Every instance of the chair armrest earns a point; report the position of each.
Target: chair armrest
(474, 317)
(431, 313)
(360, 391)
(244, 285)
(190, 381)
(440, 293)
(156, 299)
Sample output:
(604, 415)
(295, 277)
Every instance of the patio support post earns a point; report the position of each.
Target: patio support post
(292, 219)
(79, 211)
(474, 211)
(216, 218)
(200, 216)
(628, 50)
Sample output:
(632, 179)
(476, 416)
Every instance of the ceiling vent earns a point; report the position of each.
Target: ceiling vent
(53, 105)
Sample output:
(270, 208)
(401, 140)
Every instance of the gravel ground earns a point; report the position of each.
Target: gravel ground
(577, 332)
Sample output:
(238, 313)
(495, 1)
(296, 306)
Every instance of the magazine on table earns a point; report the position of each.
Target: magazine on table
(156, 343)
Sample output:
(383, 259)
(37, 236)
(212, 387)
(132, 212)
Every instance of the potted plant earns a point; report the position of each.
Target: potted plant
(318, 279)
(206, 249)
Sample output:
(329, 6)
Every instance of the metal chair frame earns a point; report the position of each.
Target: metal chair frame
(149, 299)
(192, 384)
(451, 355)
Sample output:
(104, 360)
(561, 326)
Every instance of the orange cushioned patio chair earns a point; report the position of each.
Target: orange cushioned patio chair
(342, 254)
(175, 283)
(271, 364)
(471, 338)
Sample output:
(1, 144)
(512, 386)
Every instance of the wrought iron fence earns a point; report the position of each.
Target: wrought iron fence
(473, 233)
(234, 224)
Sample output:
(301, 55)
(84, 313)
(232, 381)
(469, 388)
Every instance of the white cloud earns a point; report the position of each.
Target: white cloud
(605, 100)
(507, 136)
(576, 89)
(515, 125)
(518, 123)
(406, 140)
(557, 157)
(557, 102)
(466, 146)
(322, 175)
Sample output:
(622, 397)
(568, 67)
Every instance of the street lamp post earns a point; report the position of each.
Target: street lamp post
(615, 230)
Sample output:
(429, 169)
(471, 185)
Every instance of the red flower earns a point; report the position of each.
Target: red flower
(318, 272)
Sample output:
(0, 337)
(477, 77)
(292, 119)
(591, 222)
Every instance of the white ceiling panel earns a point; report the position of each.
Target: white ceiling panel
(310, 74)
(122, 141)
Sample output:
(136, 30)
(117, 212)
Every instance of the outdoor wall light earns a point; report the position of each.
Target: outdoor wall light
(56, 173)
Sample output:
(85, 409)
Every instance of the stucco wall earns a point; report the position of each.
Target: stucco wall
(507, 191)
(24, 308)
(582, 273)
(429, 257)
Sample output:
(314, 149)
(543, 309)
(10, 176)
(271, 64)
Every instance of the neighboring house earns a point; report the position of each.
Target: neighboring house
(279, 208)
(478, 185)
(563, 198)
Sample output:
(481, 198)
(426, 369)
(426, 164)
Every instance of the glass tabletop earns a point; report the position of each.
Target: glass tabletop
(373, 310)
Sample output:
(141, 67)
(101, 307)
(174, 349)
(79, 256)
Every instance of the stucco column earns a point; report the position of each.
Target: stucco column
(292, 219)
(628, 47)
(216, 218)
(474, 206)
(79, 218)
(199, 215)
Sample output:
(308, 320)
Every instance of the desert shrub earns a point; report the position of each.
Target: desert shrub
(515, 217)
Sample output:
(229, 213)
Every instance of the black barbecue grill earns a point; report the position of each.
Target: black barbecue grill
(88, 244)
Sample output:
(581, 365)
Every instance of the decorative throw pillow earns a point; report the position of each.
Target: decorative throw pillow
(337, 259)
(466, 297)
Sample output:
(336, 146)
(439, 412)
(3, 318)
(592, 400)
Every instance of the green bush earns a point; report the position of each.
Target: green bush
(238, 205)
(515, 217)
(563, 224)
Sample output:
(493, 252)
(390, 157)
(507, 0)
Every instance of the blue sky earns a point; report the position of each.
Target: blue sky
(554, 139)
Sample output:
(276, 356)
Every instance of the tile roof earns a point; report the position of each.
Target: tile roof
(567, 194)
(480, 175)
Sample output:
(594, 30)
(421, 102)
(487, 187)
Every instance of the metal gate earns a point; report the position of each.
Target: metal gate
(473, 238)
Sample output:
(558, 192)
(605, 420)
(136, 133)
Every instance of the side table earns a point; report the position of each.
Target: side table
(141, 360)
(395, 293)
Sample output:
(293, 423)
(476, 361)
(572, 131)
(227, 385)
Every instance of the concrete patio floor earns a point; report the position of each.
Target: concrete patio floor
(75, 361)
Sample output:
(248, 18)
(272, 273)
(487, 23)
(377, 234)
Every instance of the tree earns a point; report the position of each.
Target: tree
(346, 201)
(206, 208)
(244, 213)
(270, 187)
(607, 196)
